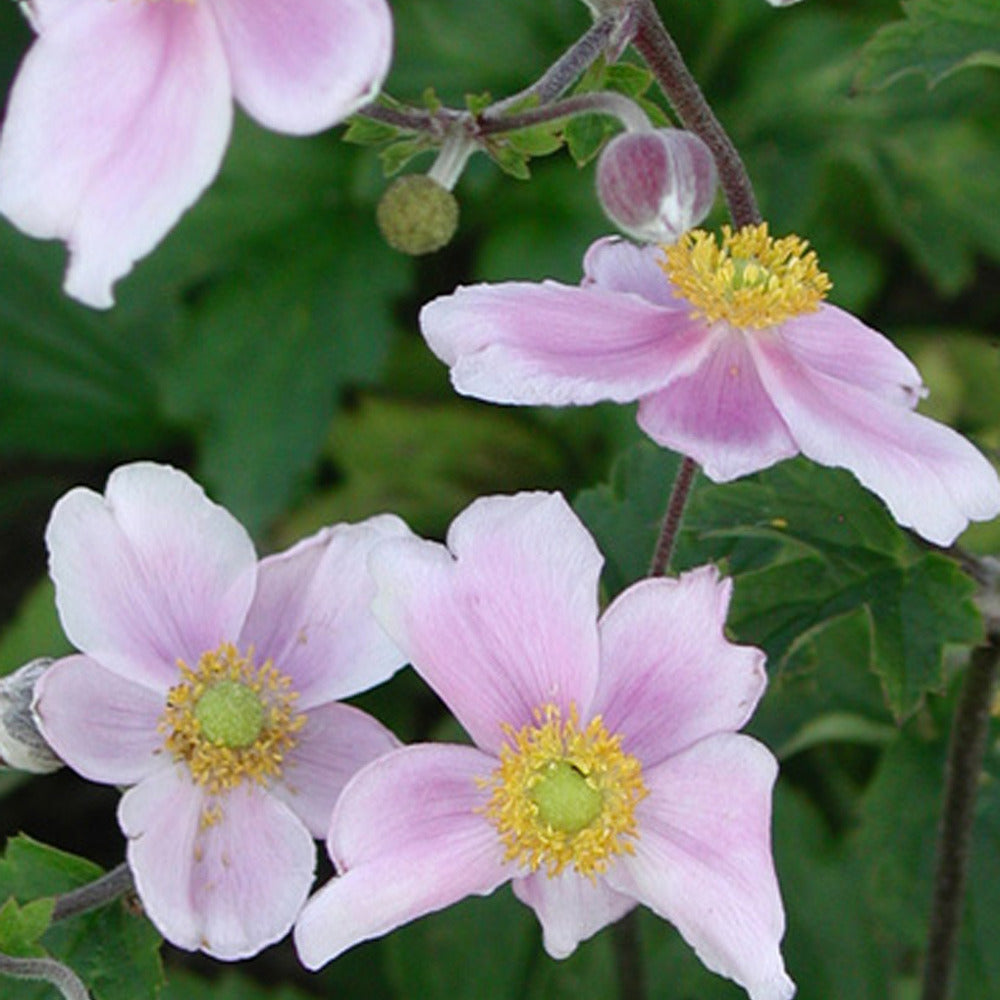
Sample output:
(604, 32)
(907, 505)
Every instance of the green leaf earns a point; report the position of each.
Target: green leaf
(808, 547)
(34, 630)
(261, 366)
(426, 461)
(896, 843)
(918, 166)
(395, 156)
(182, 984)
(508, 158)
(482, 948)
(366, 132)
(72, 385)
(22, 926)
(937, 38)
(113, 950)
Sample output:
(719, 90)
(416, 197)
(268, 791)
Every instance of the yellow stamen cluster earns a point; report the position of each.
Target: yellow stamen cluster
(216, 766)
(751, 280)
(547, 752)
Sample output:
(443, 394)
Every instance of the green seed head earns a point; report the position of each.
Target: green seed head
(230, 714)
(566, 800)
(417, 215)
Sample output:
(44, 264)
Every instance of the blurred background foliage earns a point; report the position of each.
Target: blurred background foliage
(270, 346)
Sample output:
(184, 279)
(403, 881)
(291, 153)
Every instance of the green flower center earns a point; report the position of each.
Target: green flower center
(230, 714)
(566, 800)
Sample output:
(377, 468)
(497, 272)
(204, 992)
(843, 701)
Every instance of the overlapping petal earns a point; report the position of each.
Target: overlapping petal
(227, 887)
(108, 153)
(930, 477)
(703, 859)
(407, 838)
(149, 573)
(333, 745)
(669, 677)
(570, 908)
(503, 621)
(557, 344)
(102, 725)
(311, 613)
(301, 67)
(616, 265)
(721, 415)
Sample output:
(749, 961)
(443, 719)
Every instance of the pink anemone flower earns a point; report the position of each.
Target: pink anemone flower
(735, 360)
(207, 681)
(121, 111)
(607, 770)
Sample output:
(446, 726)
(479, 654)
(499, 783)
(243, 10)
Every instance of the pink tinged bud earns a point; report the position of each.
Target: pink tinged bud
(656, 185)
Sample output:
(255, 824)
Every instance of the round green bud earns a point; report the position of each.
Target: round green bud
(566, 801)
(417, 215)
(230, 714)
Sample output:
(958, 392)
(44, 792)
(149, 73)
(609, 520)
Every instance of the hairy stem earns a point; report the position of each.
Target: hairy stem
(561, 74)
(653, 42)
(60, 976)
(962, 775)
(672, 518)
(606, 102)
(103, 890)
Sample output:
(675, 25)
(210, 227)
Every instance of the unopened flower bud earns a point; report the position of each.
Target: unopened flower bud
(656, 185)
(22, 746)
(417, 215)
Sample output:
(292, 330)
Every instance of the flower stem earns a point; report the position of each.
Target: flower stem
(672, 519)
(962, 775)
(558, 77)
(60, 976)
(606, 102)
(653, 42)
(628, 958)
(103, 890)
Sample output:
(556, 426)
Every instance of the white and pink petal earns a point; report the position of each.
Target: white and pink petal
(503, 621)
(103, 726)
(570, 907)
(408, 837)
(558, 345)
(311, 613)
(229, 887)
(929, 476)
(703, 860)
(107, 154)
(150, 573)
(333, 745)
(304, 66)
(721, 414)
(669, 676)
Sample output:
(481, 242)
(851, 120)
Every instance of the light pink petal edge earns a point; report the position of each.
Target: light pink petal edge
(311, 613)
(228, 888)
(408, 838)
(149, 573)
(109, 159)
(505, 622)
(558, 345)
(103, 726)
(703, 860)
(302, 67)
(669, 676)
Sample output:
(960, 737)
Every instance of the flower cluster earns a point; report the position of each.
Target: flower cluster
(607, 769)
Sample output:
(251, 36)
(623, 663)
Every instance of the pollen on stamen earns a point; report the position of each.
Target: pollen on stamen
(556, 760)
(220, 752)
(751, 280)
